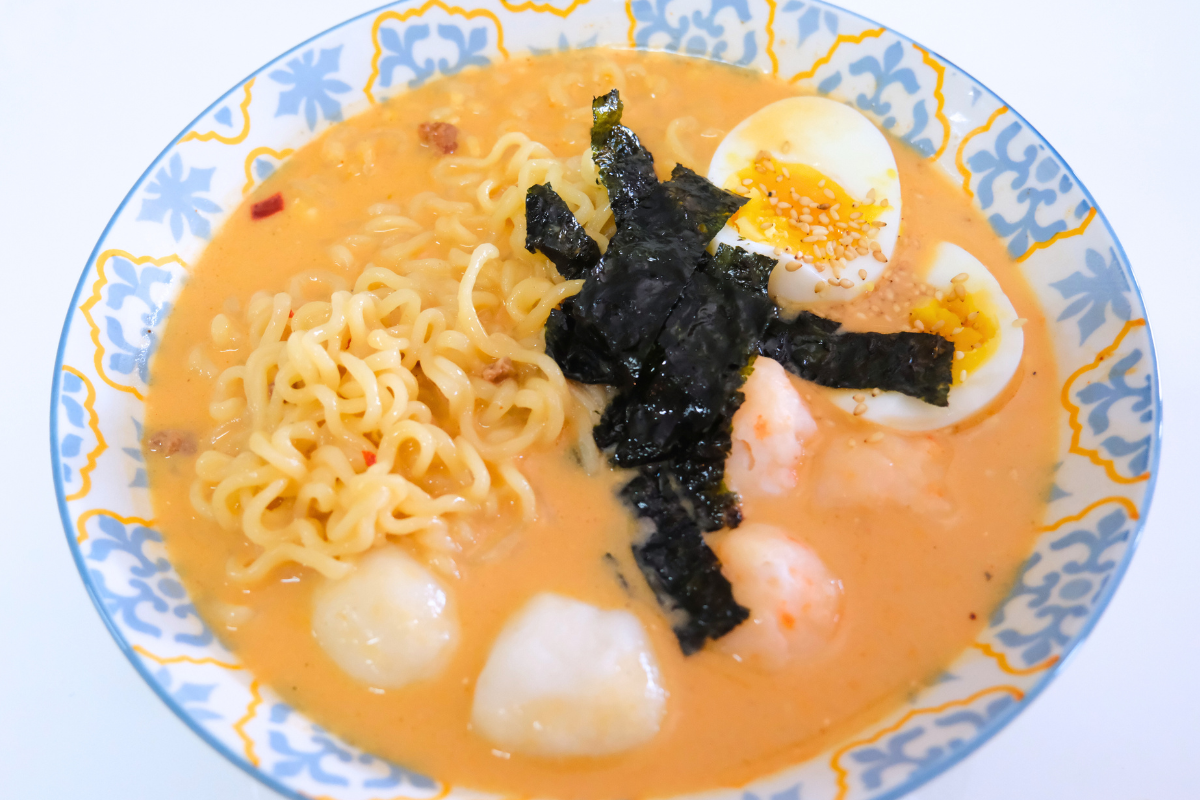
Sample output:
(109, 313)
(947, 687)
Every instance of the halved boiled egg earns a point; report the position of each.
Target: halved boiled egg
(979, 319)
(824, 197)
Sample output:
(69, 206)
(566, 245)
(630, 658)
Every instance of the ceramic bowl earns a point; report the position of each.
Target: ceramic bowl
(1109, 432)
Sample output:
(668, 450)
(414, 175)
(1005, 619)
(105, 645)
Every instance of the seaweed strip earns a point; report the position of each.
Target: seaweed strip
(578, 350)
(679, 566)
(916, 364)
(700, 355)
(551, 228)
(663, 229)
(626, 167)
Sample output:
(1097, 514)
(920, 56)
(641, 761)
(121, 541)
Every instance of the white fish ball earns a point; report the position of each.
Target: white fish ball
(565, 678)
(388, 623)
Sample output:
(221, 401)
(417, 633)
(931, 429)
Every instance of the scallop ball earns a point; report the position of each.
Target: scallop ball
(565, 678)
(823, 197)
(973, 313)
(795, 602)
(388, 623)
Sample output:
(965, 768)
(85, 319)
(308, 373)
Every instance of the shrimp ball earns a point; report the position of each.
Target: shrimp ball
(770, 432)
(795, 602)
(565, 678)
(898, 470)
(388, 623)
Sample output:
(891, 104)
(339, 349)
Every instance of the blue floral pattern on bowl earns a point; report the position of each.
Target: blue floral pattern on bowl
(1063, 244)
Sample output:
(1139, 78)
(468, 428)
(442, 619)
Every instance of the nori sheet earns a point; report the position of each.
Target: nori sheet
(551, 228)
(679, 566)
(648, 263)
(917, 364)
(697, 362)
(626, 167)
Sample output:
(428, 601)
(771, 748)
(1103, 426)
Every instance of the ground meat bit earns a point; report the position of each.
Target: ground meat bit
(499, 370)
(442, 136)
(265, 208)
(168, 443)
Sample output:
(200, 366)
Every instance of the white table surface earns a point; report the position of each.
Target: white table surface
(91, 91)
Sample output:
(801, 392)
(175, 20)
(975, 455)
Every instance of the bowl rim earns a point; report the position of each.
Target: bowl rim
(920, 776)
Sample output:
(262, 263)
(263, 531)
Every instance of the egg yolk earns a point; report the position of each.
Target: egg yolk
(962, 318)
(803, 213)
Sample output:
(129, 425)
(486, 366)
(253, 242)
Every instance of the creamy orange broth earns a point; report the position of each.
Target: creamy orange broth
(916, 590)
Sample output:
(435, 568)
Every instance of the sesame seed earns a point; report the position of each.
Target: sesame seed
(862, 274)
(960, 278)
(846, 283)
(824, 218)
(919, 325)
(810, 239)
(819, 266)
(875, 393)
(806, 217)
(852, 442)
(959, 355)
(786, 174)
(858, 398)
(808, 259)
(1019, 323)
(779, 179)
(785, 147)
(854, 225)
(937, 326)
(856, 215)
(883, 203)
(778, 251)
(879, 256)
(792, 266)
(938, 295)
(784, 205)
(971, 317)
(806, 201)
(875, 438)
(804, 226)
(833, 213)
(829, 193)
(879, 224)
(862, 251)
(764, 188)
(860, 409)
(839, 251)
(850, 254)
(821, 183)
(956, 331)
(748, 182)
(960, 291)
(870, 196)
(962, 376)
(820, 286)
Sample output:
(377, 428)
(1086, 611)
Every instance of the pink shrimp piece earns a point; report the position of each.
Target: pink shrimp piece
(770, 433)
(795, 602)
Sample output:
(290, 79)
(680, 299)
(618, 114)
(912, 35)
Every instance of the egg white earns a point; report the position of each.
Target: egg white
(896, 410)
(842, 144)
